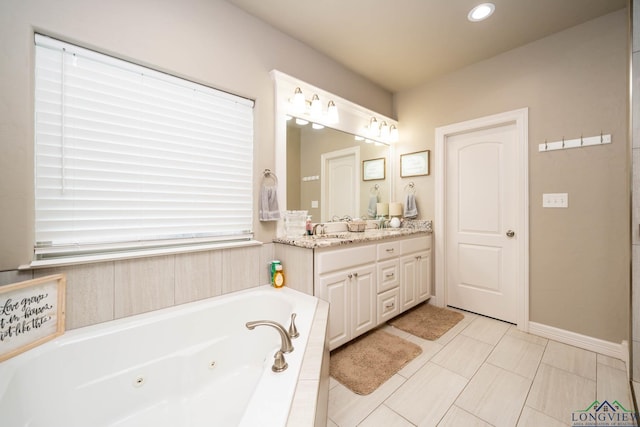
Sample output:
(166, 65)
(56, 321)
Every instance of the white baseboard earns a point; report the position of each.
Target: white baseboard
(618, 351)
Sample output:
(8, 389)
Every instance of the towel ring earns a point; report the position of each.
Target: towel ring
(267, 174)
(410, 188)
(374, 189)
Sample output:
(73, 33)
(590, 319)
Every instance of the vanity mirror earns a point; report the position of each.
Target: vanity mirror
(321, 167)
(330, 169)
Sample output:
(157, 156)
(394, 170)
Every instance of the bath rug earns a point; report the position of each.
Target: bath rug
(427, 321)
(368, 361)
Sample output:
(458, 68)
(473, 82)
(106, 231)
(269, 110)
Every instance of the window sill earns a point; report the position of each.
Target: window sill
(143, 253)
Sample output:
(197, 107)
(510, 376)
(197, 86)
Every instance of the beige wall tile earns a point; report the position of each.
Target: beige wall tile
(15, 276)
(240, 269)
(198, 275)
(143, 284)
(90, 293)
(264, 270)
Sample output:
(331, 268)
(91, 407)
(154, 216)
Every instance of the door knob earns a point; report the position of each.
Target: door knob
(511, 233)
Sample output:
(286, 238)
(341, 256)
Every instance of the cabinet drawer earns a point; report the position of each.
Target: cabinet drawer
(416, 244)
(388, 275)
(339, 259)
(388, 305)
(388, 250)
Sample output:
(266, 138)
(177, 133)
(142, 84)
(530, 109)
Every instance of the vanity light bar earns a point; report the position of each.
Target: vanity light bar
(313, 108)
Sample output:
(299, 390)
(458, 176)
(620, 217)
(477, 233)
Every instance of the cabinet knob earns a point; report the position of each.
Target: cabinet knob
(355, 274)
(390, 275)
(390, 305)
(349, 275)
(418, 257)
(390, 250)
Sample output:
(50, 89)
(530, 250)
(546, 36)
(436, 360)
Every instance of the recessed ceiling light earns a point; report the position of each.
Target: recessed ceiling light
(481, 12)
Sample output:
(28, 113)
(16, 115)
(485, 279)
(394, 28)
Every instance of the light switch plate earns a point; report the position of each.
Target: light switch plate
(314, 204)
(555, 200)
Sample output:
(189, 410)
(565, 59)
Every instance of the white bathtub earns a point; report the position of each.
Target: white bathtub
(190, 365)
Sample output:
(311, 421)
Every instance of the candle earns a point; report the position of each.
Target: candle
(395, 209)
(382, 209)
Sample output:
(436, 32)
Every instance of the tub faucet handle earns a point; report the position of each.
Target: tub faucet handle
(279, 364)
(293, 331)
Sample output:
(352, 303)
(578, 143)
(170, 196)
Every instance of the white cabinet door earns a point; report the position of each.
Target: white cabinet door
(363, 298)
(335, 289)
(408, 276)
(423, 278)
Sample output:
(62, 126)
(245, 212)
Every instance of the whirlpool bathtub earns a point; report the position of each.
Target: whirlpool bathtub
(185, 366)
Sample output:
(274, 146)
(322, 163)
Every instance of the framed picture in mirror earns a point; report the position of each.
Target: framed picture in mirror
(373, 169)
(414, 164)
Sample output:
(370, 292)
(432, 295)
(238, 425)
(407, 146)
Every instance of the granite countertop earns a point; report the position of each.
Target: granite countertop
(409, 227)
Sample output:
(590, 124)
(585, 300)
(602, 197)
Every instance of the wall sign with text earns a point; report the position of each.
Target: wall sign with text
(31, 313)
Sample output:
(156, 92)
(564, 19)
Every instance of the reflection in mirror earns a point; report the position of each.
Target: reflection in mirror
(332, 159)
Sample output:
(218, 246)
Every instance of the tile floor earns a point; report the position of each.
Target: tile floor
(484, 372)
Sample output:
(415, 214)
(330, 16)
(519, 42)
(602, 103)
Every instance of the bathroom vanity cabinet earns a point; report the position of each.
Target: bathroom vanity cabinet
(366, 283)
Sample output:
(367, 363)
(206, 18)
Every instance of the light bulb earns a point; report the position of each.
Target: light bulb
(332, 113)
(316, 108)
(481, 12)
(393, 134)
(301, 122)
(317, 126)
(298, 100)
(384, 130)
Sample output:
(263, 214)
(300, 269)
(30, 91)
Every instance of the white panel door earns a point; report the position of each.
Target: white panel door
(340, 182)
(481, 217)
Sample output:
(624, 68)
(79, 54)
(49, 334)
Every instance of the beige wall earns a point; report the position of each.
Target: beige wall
(574, 83)
(209, 41)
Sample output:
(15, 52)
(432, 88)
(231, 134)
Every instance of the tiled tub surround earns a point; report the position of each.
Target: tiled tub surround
(176, 366)
(99, 292)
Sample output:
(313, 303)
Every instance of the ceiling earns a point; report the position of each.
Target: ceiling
(400, 44)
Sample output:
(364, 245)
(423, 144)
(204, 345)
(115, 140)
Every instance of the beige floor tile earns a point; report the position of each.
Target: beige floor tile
(517, 356)
(612, 385)
(429, 349)
(427, 395)
(610, 361)
(459, 327)
(534, 339)
(457, 417)
(348, 409)
(383, 416)
(532, 418)
(463, 355)
(486, 330)
(573, 359)
(558, 393)
(495, 395)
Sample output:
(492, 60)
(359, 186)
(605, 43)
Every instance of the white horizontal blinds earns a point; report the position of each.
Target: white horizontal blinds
(128, 154)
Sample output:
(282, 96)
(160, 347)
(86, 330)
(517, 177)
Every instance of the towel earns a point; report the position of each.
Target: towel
(371, 210)
(269, 210)
(410, 208)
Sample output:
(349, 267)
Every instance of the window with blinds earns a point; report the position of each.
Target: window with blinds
(128, 157)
